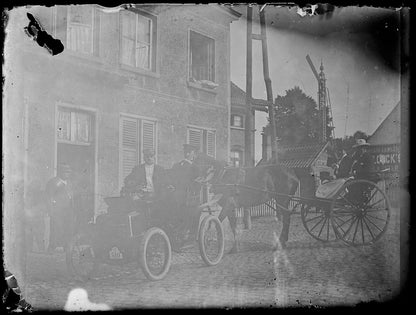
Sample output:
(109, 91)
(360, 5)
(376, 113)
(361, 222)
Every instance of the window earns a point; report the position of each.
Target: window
(203, 139)
(201, 57)
(136, 135)
(236, 158)
(74, 126)
(237, 121)
(80, 28)
(138, 40)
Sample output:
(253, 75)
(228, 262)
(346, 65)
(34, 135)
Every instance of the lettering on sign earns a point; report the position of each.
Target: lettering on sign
(386, 157)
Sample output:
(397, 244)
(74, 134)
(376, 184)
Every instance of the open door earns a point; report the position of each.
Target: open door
(76, 147)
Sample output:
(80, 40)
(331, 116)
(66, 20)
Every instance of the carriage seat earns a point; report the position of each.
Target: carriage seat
(329, 189)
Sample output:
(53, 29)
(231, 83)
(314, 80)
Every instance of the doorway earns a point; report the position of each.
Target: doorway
(76, 146)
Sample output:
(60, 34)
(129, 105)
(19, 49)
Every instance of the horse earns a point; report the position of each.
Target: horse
(269, 180)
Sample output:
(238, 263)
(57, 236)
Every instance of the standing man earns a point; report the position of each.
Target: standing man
(187, 189)
(145, 177)
(60, 203)
(185, 174)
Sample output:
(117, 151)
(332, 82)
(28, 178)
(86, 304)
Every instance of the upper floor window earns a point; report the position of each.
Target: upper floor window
(138, 40)
(237, 121)
(80, 29)
(201, 57)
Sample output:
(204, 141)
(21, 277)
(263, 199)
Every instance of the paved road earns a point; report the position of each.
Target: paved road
(305, 273)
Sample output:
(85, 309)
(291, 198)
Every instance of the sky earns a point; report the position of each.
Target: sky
(359, 49)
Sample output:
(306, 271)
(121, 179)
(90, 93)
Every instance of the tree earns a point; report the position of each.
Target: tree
(297, 118)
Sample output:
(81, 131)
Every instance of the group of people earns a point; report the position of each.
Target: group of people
(146, 181)
(150, 179)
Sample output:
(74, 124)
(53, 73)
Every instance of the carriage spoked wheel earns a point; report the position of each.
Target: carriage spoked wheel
(317, 221)
(81, 260)
(155, 254)
(360, 212)
(211, 240)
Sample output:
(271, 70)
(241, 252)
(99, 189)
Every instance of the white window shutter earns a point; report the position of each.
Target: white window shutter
(195, 138)
(129, 145)
(211, 143)
(148, 135)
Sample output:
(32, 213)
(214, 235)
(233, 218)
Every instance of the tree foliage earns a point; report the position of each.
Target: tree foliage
(297, 118)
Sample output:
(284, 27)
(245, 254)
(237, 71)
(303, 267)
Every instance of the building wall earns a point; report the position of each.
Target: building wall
(99, 83)
(385, 151)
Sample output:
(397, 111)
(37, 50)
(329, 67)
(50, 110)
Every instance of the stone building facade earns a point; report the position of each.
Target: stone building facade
(151, 76)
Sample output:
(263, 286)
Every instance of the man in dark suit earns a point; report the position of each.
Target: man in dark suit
(185, 173)
(60, 202)
(186, 188)
(145, 178)
(361, 168)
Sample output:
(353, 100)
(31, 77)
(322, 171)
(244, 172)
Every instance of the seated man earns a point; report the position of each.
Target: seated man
(361, 167)
(145, 179)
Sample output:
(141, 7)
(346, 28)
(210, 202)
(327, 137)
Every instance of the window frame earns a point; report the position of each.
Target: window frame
(153, 42)
(93, 30)
(232, 121)
(204, 138)
(139, 135)
(189, 61)
(73, 139)
(241, 158)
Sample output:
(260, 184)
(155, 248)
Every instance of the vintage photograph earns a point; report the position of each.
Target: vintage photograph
(204, 156)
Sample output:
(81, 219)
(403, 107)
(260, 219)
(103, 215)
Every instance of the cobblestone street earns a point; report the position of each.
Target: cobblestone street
(305, 273)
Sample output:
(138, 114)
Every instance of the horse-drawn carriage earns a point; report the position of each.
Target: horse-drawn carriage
(144, 230)
(356, 211)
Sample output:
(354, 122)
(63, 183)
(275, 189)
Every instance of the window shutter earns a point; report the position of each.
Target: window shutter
(195, 138)
(129, 145)
(61, 23)
(148, 135)
(211, 143)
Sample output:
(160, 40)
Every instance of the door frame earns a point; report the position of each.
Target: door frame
(93, 112)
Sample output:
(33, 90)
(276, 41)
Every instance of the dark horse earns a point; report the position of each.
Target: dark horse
(235, 183)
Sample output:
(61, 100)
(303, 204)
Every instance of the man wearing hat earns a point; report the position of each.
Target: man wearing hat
(60, 203)
(187, 189)
(145, 177)
(361, 167)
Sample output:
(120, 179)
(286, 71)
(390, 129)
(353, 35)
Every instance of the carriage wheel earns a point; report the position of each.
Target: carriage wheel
(211, 240)
(317, 221)
(81, 260)
(155, 254)
(361, 212)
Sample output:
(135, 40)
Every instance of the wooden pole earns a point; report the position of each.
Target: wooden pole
(248, 136)
(268, 83)
(248, 160)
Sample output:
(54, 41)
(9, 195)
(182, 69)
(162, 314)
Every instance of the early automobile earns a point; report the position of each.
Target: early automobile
(140, 229)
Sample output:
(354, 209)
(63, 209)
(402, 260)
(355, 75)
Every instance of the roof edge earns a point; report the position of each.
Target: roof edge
(231, 12)
(384, 120)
